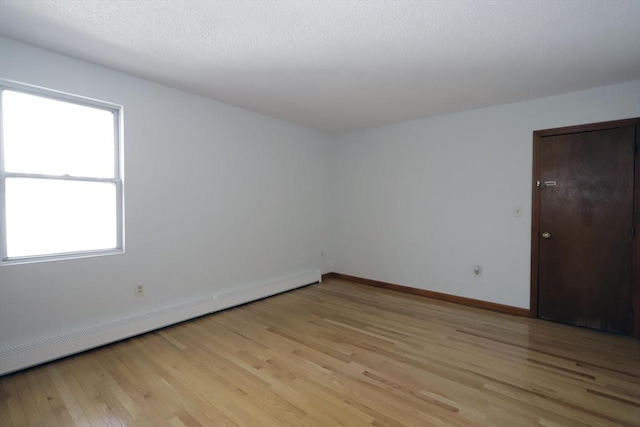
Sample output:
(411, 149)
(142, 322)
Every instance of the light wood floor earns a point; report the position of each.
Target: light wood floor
(339, 354)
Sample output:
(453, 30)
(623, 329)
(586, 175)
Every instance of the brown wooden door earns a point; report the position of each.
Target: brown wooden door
(585, 223)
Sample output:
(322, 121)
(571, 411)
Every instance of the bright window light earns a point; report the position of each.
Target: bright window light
(61, 175)
(52, 137)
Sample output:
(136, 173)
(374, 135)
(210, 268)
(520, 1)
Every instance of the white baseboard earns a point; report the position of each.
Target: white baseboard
(37, 352)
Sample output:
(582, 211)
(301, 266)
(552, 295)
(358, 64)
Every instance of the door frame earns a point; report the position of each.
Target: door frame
(535, 212)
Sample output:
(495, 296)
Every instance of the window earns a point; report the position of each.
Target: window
(61, 175)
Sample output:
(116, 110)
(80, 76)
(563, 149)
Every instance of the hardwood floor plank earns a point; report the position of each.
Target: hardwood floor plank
(67, 396)
(52, 399)
(27, 399)
(339, 354)
(84, 374)
(11, 412)
(68, 379)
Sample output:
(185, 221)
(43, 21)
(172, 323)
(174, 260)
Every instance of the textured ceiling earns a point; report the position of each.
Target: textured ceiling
(342, 65)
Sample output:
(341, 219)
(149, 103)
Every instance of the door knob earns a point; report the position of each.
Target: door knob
(546, 235)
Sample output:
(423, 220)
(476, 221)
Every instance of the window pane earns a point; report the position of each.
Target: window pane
(50, 216)
(46, 136)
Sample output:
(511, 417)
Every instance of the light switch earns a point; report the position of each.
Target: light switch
(517, 211)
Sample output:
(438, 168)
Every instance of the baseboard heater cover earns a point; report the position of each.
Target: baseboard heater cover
(34, 353)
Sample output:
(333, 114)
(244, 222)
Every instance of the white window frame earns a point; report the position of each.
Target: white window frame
(118, 178)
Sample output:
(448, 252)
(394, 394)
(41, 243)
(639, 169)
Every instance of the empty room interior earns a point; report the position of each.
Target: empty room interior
(319, 213)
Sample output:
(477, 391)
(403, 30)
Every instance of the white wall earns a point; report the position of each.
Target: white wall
(217, 199)
(419, 203)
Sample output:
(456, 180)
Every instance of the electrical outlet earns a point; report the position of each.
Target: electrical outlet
(138, 290)
(477, 270)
